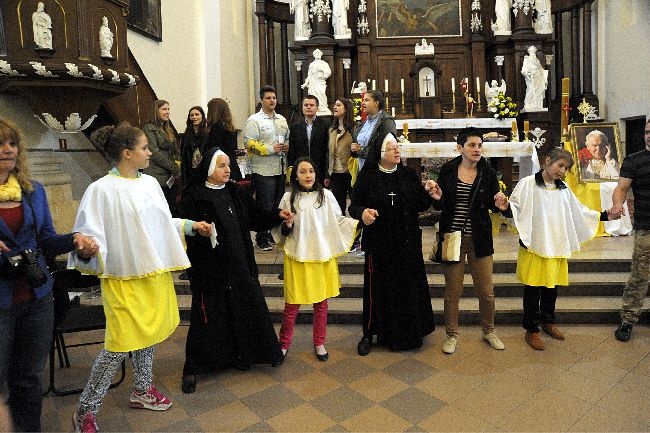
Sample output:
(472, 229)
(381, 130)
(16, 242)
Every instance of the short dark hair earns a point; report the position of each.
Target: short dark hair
(466, 133)
(267, 89)
(378, 96)
(311, 97)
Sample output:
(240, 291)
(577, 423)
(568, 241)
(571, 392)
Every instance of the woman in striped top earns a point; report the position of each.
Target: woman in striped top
(466, 189)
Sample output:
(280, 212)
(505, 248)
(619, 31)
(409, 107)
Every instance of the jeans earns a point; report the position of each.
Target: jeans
(637, 283)
(268, 193)
(25, 341)
(539, 305)
(481, 269)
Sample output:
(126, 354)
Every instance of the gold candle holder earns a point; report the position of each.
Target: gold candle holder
(387, 104)
(478, 100)
(453, 101)
(403, 107)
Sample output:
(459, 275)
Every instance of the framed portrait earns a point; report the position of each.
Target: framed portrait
(597, 151)
(418, 18)
(145, 18)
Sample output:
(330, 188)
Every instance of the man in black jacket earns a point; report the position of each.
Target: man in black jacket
(309, 137)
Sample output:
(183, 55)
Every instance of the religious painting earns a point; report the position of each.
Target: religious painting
(418, 18)
(145, 18)
(597, 151)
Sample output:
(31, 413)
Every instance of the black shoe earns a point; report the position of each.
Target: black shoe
(264, 245)
(624, 332)
(183, 276)
(363, 348)
(324, 357)
(189, 384)
(281, 276)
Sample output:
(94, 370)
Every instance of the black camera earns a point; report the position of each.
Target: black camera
(25, 264)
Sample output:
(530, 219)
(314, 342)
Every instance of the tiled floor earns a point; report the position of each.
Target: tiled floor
(590, 382)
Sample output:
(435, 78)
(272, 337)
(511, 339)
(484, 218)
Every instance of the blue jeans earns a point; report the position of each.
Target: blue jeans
(268, 193)
(25, 341)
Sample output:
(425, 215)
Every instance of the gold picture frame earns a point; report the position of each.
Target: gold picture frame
(598, 160)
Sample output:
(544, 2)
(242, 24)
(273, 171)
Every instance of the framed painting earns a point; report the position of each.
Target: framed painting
(418, 18)
(597, 150)
(145, 18)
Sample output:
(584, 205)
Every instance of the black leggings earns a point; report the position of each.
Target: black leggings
(539, 306)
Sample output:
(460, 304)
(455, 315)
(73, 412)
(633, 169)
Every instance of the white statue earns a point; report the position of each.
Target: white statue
(493, 89)
(105, 39)
(502, 14)
(340, 19)
(300, 9)
(318, 72)
(536, 81)
(42, 25)
(359, 89)
(424, 49)
(543, 24)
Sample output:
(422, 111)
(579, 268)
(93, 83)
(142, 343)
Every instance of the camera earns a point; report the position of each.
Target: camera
(25, 264)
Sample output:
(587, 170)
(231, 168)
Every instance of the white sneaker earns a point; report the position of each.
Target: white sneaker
(494, 341)
(449, 346)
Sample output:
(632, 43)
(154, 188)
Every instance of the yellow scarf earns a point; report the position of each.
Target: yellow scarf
(10, 190)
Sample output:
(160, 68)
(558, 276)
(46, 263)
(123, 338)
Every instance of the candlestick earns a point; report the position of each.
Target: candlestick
(453, 101)
(401, 84)
(374, 84)
(385, 85)
(392, 111)
(453, 85)
(478, 94)
(565, 85)
(405, 128)
(403, 108)
(515, 133)
(526, 129)
(386, 104)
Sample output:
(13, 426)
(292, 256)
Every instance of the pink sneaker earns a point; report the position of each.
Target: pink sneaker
(86, 423)
(151, 399)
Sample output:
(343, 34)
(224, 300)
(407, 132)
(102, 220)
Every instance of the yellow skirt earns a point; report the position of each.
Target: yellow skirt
(139, 312)
(308, 283)
(534, 270)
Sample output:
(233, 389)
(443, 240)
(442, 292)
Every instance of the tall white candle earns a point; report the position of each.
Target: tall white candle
(401, 84)
(478, 85)
(392, 111)
(453, 85)
(374, 84)
(385, 85)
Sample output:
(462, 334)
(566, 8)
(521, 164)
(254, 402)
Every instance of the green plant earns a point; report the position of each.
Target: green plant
(502, 106)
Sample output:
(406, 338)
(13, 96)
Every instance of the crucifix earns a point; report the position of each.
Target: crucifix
(392, 196)
(426, 84)
(230, 209)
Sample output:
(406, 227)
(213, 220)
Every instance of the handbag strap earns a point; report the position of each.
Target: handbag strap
(471, 200)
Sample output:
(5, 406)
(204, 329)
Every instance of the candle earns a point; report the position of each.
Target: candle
(478, 85)
(374, 84)
(453, 85)
(565, 85)
(401, 84)
(514, 126)
(392, 111)
(385, 85)
(526, 125)
(405, 128)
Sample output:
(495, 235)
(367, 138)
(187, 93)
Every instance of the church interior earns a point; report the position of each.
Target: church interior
(566, 67)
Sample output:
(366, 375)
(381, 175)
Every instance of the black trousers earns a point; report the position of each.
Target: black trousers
(539, 306)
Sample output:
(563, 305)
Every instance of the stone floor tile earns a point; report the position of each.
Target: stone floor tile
(303, 418)
(341, 404)
(413, 405)
(599, 370)
(376, 419)
(312, 385)
(378, 386)
(579, 386)
(598, 419)
(232, 417)
(243, 383)
(451, 419)
(346, 370)
(410, 371)
(272, 401)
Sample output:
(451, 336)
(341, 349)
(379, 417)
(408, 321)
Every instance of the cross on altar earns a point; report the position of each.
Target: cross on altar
(566, 109)
(426, 84)
(392, 196)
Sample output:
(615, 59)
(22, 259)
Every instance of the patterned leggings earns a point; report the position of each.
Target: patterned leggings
(104, 369)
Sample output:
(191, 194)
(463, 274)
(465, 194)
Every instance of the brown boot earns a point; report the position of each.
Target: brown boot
(552, 330)
(533, 340)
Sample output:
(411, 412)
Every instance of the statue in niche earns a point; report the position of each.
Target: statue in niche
(300, 9)
(105, 39)
(536, 81)
(317, 74)
(340, 19)
(493, 89)
(425, 48)
(502, 14)
(42, 25)
(543, 24)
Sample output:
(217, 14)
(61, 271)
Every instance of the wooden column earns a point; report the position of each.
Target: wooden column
(559, 51)
(270, 40)
(575, 51)
(261, 26)
(587, 87)
(284, 50)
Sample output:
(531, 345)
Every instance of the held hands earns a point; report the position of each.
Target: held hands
(433, 189)
(615, 212)
(85, 246)
(288, 217)
(202, 228)
(369, 216)
(501, 201)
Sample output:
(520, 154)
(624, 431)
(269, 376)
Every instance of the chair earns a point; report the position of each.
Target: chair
(70, 317)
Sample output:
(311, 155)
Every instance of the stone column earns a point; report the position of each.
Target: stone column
(346, 77)
(499, 61)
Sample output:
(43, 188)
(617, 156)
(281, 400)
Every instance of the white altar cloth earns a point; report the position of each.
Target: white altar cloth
(477, 122)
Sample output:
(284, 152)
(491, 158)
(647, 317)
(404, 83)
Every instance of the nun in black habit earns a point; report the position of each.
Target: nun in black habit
(230, 325)
(387, 197)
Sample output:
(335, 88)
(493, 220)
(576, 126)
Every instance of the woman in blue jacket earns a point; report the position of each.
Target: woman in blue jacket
(27, 236)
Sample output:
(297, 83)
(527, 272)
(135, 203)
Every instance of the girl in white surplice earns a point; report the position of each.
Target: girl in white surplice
(312, 241)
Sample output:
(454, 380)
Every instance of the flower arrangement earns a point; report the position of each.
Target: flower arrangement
(502, 106)
(356, 104)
